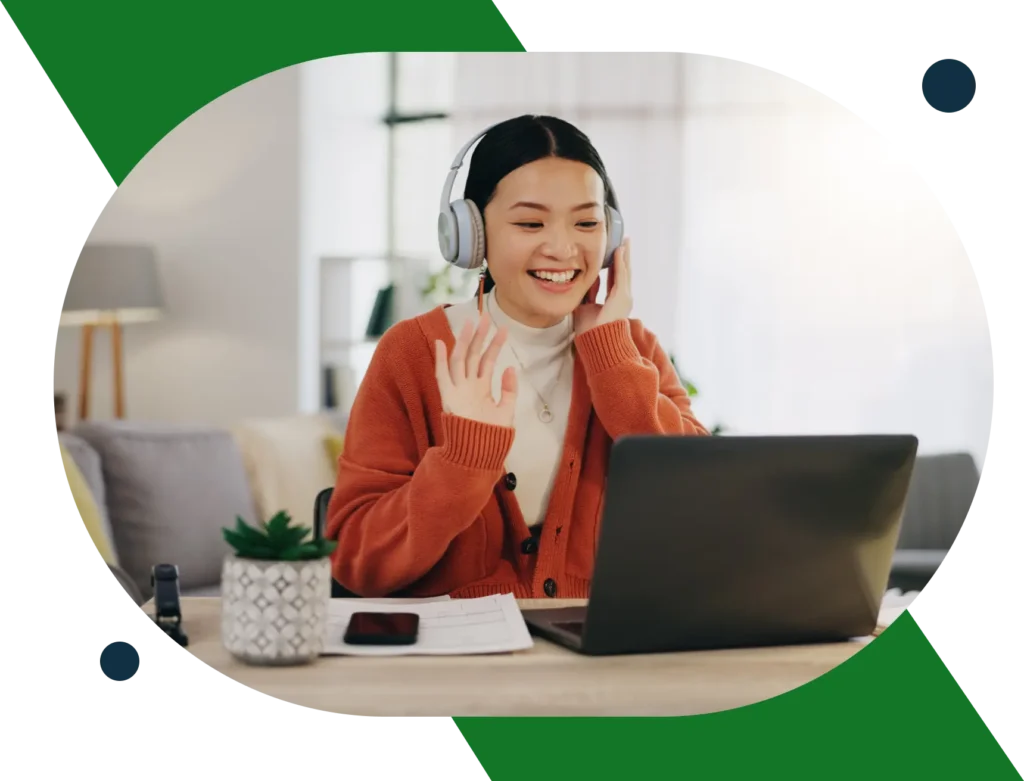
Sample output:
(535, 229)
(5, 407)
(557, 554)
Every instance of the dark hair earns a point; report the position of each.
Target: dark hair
(522, 140)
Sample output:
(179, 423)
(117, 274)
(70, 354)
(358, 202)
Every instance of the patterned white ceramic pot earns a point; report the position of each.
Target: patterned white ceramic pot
(274, 612)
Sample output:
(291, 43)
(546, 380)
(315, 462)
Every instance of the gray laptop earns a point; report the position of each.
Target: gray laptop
(719, 542)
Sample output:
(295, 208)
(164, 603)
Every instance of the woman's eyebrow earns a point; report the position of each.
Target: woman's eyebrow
(543, 208)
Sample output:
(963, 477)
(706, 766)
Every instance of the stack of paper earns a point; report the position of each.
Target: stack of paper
(486, 625)
(893, 604)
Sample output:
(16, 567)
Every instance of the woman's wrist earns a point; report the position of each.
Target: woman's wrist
(606, 345)
(473, 444)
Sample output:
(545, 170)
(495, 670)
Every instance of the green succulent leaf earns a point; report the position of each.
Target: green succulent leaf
(277, 525)
(247, 532)
(233, 539)
(292, 536)
(278, 539)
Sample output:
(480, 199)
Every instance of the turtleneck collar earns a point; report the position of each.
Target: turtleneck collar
(555, 337)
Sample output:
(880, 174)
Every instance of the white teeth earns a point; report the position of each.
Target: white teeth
(560, 277)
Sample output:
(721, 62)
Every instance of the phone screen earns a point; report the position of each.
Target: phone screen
(382, 628)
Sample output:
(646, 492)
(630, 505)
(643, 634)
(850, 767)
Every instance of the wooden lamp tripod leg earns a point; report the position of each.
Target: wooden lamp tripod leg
(85, 375)
(115, 338)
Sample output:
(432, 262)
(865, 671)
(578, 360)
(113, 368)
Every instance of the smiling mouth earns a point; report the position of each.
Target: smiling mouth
(556, 277)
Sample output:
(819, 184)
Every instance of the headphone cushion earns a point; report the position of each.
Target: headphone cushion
(469, 228)
(479, 236)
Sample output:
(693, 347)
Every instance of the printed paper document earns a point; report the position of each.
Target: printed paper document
(485, 625)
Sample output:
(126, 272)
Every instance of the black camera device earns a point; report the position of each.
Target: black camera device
(167, 601)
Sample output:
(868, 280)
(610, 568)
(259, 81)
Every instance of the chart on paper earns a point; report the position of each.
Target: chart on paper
(451, 627)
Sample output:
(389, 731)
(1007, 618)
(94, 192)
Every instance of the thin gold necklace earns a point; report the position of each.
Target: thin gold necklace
(545, 414)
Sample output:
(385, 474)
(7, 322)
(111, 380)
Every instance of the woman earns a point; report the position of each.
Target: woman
(475, 464)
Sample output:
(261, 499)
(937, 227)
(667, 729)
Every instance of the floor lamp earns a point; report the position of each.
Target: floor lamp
(112, 284)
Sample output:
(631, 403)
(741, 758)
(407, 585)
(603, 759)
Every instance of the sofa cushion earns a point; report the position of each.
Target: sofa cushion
(170, 490)
(335, 446)
(286, 463)
(95, 522)
(87, 460)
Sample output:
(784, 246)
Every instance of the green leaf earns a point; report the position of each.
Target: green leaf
(280, 518)
(292, 536)
(324, 547)
(276, 540)
(247, 532)
(277, 526)
(233, 539)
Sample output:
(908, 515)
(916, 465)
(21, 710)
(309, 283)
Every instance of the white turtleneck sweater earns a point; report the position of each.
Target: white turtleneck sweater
(546, 356)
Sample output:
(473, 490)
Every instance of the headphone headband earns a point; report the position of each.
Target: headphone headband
(449, 182)
(460, 230)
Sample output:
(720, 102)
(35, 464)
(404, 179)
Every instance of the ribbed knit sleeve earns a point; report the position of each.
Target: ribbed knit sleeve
(633, 385)
(396, 508)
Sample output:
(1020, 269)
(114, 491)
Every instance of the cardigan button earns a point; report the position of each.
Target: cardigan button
(529, 546)
(510, 481)
(550, 587)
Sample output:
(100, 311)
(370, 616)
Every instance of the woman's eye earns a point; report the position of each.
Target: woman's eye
(589, 224)
(530, 224)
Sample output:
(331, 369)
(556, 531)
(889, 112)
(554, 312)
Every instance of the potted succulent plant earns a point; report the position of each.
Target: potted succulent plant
(275, 592)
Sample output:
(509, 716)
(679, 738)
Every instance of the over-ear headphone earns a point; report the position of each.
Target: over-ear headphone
(460, 226)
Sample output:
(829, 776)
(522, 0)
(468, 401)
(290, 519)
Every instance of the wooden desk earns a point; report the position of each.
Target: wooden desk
(547, 680)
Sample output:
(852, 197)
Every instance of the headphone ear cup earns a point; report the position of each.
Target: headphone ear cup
(470, 229)
(616, 233)
(448, 235)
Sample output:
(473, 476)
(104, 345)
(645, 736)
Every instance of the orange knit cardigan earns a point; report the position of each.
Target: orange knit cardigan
(421, 507)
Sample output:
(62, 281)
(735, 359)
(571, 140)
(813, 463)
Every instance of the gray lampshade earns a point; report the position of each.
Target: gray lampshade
(113, 281)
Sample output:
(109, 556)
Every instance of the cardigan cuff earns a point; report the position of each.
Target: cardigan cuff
(605, 346)
(475, 445)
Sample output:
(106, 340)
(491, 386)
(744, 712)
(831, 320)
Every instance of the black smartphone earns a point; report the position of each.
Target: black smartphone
(382, 629)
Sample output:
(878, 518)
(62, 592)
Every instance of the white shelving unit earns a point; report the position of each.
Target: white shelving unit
(348, 290)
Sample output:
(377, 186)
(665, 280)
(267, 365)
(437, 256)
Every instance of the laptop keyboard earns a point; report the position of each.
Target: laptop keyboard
(572, 627)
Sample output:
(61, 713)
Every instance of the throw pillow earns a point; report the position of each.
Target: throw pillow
(87, 507)
(335, 446)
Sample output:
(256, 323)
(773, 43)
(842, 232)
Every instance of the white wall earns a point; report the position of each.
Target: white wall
(219, 199)
(344, 165)
(823, 290)
(802, 274)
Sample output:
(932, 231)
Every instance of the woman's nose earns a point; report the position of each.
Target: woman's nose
(560, 244)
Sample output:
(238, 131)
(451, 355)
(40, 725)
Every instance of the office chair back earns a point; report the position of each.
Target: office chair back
(323, 499)
(941, 492)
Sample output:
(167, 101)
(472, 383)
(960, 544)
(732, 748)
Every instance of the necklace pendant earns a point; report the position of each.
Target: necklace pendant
(545, 415)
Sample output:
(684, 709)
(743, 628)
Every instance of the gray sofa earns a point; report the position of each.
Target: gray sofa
(941, 492)
(164, 492)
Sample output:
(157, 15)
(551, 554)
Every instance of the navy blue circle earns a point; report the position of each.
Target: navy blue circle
(119, 661)
(948, 86)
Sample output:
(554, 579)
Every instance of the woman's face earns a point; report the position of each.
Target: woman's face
(546, 238)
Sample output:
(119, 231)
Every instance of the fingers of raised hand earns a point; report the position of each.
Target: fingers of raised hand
(457, 366)
(490, 356)
(624, 266)
(509, 388)
(476, 347)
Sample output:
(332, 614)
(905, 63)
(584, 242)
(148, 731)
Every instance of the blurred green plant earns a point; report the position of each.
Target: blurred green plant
(691, 391)
(441, 286)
